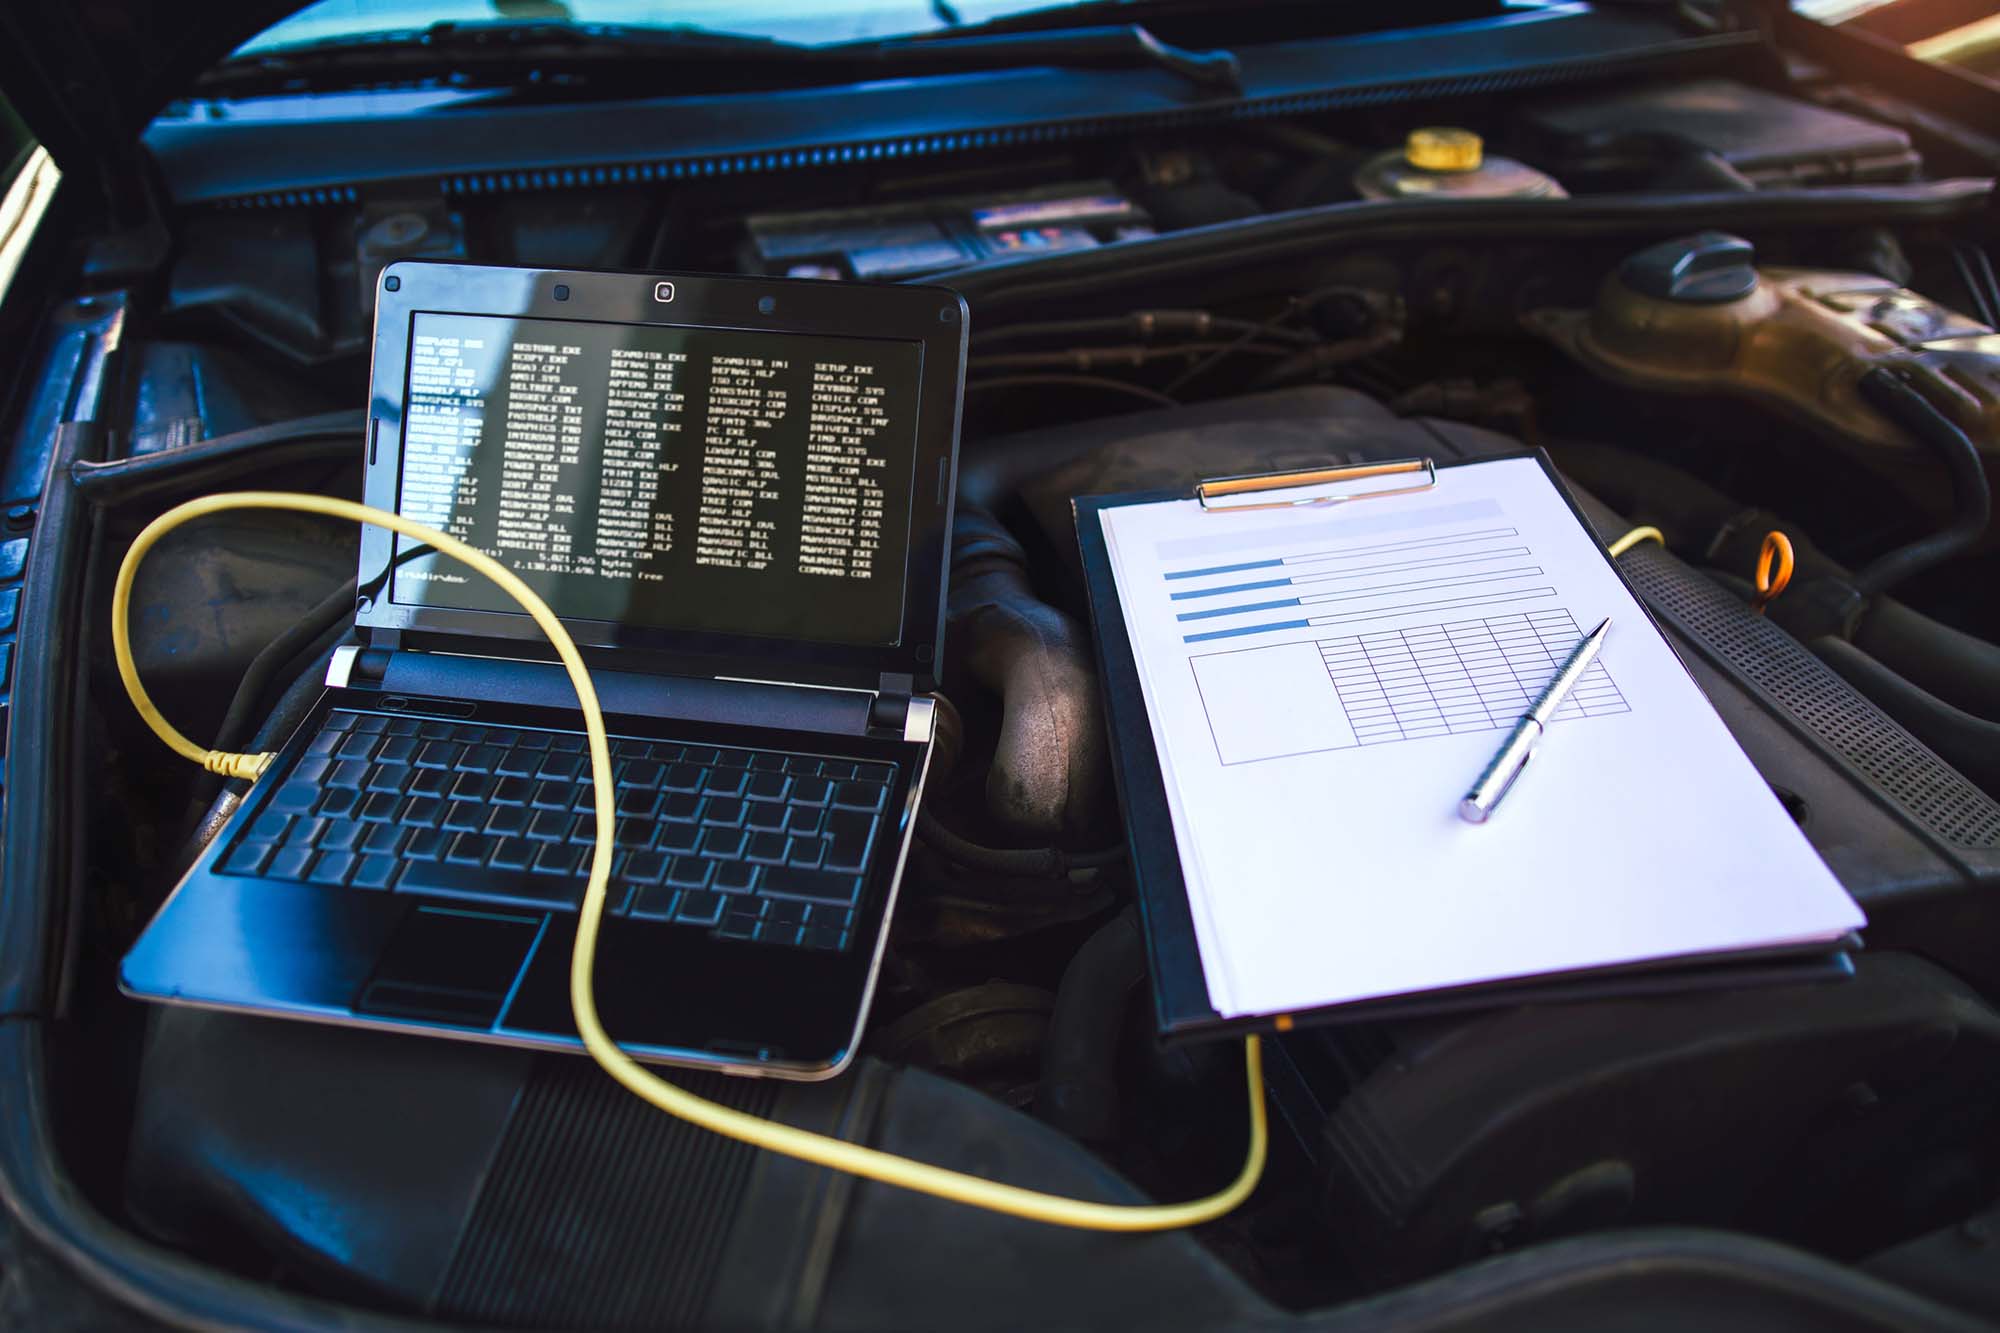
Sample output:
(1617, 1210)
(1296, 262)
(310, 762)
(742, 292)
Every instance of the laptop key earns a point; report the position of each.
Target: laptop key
(765, 761)
(518, 762)
(734, 877)
(383, 839)
(818, 886)
(646, 867)
(340, 836)
(437, 753)
(553, 796)
(313, 768)
(802, 765)
(732, 759)
(766, 786)
(640, 773)
(423, 812)
(512, 791)
(294, 798)
(847, 845)
(304, 832)
(428, 782)
(390, 778)
(765, 815)
(370, 722)
(682, 777)
(374, 872)
(269, 827)
(823, 937)
(397, 750)
(426, 844)
(326, 742)
(766, 848)
(811, 791)
(558, 858)
(340, 720)
(507, 821)
(464, 816)
(289, 863)
(513, 854)
(688, 872)
(404, 727)
(332, 869)
(634, 833)
(469, 849)
(549, 825)
(804, 851)
(858, 796)
(725, 781)
(722, 843)
(479, 758)
(737, 926)
(483, 884)
(638, 802)
(724, 811)
(472, 787)
(678, 837)
(785, 912)
(249, 858)
(561, 767)
(803, 819)
(681, 807)
(655, 902)
(357, 745)
(568, 742)
(700, 754)
(337, 802)
(699, 909)
(874, 772)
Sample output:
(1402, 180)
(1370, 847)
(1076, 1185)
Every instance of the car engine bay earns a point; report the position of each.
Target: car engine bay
(1742, 290)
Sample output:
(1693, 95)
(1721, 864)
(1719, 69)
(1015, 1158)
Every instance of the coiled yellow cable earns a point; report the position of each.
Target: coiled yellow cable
(818, 1149)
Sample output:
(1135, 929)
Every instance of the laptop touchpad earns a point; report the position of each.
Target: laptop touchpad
(450, 965)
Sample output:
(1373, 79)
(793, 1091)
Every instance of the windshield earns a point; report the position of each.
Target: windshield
(807, 22)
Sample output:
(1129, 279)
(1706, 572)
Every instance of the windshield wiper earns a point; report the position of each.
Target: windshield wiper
(496, 54)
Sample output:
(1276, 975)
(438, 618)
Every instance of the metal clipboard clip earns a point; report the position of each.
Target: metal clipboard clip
(1320, 486)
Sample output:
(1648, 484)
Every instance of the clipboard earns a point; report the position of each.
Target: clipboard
(1182, 1009)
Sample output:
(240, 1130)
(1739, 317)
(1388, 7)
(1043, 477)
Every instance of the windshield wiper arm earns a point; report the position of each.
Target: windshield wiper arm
(484, 51)
(1121, 46)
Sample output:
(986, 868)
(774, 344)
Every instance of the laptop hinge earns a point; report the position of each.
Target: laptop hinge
(891, 709)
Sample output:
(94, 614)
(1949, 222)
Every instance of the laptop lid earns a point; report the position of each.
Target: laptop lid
(705, 475)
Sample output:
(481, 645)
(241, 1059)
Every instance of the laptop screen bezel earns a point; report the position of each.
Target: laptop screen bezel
(932, 317)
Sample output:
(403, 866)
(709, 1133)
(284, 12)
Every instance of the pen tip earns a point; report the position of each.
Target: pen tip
(1602, 626)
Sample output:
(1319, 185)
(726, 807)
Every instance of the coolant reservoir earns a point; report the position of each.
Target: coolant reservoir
(1442, 163)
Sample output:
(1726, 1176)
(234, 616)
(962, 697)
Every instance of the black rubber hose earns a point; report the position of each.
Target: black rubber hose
(331, 611)
(1079, 1090)
(329, 435)
(1955, 666)
(1969, 744)
(1913, 412)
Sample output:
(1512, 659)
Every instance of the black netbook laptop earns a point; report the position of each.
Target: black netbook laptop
(737, 496)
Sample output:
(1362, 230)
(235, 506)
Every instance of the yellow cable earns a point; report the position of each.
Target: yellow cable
(818, 1149)
(1633, 538)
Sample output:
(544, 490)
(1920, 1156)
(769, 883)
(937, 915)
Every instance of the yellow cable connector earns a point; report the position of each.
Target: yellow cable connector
(1633, 538)
(818, 1149)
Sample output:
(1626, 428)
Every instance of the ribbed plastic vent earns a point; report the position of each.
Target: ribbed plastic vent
(933, 145)
(599, 1211)
(1929, 790)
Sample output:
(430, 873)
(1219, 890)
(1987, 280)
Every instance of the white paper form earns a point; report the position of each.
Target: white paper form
(1325, 684)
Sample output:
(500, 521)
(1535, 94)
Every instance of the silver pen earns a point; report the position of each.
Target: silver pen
(1499, 776)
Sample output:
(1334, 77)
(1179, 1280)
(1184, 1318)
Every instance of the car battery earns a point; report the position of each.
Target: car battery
(912, 240)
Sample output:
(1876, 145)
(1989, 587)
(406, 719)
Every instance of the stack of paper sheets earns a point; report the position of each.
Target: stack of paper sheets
(1325, 683)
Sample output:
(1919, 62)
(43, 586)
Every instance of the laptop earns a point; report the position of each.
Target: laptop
(737, 496)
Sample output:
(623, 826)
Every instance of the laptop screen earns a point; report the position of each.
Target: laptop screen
(722, 480)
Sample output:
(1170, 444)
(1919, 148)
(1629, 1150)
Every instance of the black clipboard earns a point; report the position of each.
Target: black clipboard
(1179, 986)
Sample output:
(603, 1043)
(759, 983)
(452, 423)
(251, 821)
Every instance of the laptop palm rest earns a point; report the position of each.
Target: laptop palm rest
(450, 965)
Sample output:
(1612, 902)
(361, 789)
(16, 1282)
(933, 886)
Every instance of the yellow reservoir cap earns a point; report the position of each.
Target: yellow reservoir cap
(1440, 148)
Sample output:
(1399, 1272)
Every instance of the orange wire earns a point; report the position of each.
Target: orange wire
(1777, 546)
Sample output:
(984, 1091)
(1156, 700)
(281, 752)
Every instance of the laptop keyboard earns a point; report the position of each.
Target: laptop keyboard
(749, 844)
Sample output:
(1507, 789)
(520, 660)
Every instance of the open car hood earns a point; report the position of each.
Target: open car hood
(86, 76)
